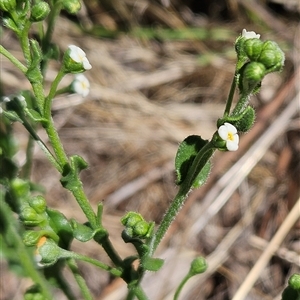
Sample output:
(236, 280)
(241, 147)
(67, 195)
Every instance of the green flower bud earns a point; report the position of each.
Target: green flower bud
(198, 266)
(34, 293)
(30, 217)
(38, 203)
(8, 5)
(254, 72)
(253, 48)
(31, 237)
(294, 282)
(71, 6)
(47, 252)
(131, 219)
(141, 229)
(39, 12)
(20, 187)
(271, 56)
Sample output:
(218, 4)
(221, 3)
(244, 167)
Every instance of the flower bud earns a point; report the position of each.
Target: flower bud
(294, 282)
(71, 6)
(271, 56)
(198, 266)
(34, 293)
(141, 229)
(20, 187)
(38, 203)
(253, 48)
(254, 72)
(39, 11)
(8, 5)
(31, 237)
(131, 219)
(30, 217)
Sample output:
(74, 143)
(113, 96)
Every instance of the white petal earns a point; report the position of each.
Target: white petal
(230, 128)
(250, 34)
(232, 146)
(223, 132)
(86, 64)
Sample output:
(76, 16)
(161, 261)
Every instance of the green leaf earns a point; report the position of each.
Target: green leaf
(82, 232)
(202, 176)
(152, 264)
(35, 116)
(61, 226)
(185, 156)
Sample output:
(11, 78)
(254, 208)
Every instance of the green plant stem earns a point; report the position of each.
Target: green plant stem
(26, 169)
(111, 252)
(230, 97)
(52, 92)
(181, 285)
(50, 129)
(55, 10)
(79, 279)
(199, 162)
(45, 149)
(136, 291)
(97, 263)
(21, 251)
(25, 42)
(13, 60)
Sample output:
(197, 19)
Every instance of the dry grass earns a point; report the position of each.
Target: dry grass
(146, 96)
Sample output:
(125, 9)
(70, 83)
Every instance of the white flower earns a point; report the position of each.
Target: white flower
(228, 133)
(81, 85)
(250, 34)
(79, 56)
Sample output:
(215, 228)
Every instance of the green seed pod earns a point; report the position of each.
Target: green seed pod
(253, 48)
(198, 266)
(39, 12)
(8, 5)
(38, 203)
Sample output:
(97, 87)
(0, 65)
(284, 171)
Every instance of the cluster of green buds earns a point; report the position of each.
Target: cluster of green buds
(255, 59)
(136, 226)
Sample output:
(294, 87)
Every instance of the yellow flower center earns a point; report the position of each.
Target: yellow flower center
(230, 136)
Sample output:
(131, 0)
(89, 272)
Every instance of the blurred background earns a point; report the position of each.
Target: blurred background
(162, 70)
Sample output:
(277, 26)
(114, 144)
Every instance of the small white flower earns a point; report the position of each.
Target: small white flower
(79, 56)
(228, 133)
(250, 34)
(81, 85)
